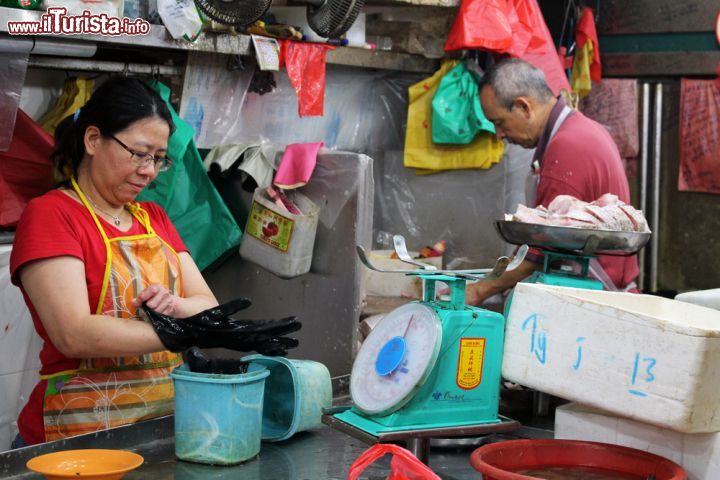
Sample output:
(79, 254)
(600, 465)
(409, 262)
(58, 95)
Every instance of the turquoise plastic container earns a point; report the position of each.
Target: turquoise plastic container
(295, 394)
(218, 418)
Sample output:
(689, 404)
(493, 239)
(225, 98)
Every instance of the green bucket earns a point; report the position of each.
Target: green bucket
(295, 394)
(218, 418)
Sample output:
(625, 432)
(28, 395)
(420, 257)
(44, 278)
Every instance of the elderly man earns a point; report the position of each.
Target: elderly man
(574, 155)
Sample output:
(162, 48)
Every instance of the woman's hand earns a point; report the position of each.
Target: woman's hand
(159, 298)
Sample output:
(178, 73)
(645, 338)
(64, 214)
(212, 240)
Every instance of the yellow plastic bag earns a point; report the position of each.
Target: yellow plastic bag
(420, 152)
(76, 93)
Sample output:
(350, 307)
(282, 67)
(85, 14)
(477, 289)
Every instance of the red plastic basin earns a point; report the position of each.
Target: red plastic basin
(498, 461)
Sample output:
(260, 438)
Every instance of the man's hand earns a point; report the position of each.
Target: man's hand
(477, 293)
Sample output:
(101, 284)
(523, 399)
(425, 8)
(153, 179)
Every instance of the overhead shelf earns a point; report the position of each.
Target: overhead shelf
(159, 38)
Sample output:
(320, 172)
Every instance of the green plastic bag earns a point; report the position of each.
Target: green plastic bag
(188, 196)
(457, 116)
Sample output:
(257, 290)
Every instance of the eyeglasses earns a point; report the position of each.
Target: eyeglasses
(142, 159)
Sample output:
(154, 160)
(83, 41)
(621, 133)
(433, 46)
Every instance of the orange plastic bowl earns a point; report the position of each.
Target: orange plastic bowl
(88, 464)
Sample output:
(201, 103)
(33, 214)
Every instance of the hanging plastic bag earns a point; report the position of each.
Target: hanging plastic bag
(181, 18)
(513, 27)
(25, 169)
(13, 67)
(420, 152)
(76, 93)
(586, 68)
(482, 25)
(403, 466)
(540, 50)
(188, 196)
(457, 115)
(305, 64)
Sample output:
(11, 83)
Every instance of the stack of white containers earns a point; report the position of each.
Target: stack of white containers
(643, 369)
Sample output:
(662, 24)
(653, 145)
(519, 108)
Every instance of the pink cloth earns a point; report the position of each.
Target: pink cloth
(699, 136)
(297, 165)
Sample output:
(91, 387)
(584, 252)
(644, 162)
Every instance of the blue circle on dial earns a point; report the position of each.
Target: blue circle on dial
(390, 356)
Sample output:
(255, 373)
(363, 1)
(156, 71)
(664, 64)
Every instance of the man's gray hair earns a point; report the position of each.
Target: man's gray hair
(514, 78)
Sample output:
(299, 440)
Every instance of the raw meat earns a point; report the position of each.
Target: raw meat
(606, 213)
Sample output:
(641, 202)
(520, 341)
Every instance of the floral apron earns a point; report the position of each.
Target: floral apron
(108, 392)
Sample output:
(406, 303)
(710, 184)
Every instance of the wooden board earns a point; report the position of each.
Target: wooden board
(656, 16)
(660, 64)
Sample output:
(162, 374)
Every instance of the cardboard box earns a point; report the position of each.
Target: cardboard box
(639, 356)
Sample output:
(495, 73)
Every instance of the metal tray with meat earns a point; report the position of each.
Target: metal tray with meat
(577, 240)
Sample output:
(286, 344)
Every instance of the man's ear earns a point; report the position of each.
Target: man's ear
(523, 105)
(92, 138)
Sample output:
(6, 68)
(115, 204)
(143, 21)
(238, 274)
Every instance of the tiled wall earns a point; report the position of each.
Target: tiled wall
(19, 348)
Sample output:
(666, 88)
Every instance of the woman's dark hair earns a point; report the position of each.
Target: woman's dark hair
(113, 107)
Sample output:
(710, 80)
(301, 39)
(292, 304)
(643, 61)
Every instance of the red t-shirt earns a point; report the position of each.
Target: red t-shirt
(56, 225)
(582, 160)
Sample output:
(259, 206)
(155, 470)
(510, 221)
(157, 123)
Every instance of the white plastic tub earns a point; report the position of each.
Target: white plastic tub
(639, 356)
(277, 240)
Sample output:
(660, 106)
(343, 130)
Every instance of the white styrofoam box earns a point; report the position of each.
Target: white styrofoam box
(297, 16)
(19, 349)
(640, 356)
(697, 453)
(19, 344)
(706, 298)
(395, 284)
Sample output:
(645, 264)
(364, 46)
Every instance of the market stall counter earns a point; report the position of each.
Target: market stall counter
(320, 454)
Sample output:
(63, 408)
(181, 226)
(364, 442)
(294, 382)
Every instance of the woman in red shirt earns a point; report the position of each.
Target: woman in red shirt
(87, 255)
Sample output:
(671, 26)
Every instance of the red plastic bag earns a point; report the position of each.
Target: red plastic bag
(483, 25)
(513, 27)
(586, 31)
(403, 466)
(305, 64)
(541, 48)
(25, 169)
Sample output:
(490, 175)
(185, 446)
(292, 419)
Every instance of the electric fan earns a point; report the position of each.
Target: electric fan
(327, 18)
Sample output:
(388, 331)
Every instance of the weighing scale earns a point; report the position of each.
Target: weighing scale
(430, 368)
(569, 252)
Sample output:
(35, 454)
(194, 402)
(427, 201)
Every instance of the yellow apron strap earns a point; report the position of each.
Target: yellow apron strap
(108, 257)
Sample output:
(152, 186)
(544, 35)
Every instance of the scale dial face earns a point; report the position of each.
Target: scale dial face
(421, 329)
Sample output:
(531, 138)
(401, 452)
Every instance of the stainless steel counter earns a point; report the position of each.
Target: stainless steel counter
(317, 455)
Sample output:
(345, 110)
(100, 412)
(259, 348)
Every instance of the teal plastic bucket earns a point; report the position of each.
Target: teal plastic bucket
(295, 394)
(218, 418)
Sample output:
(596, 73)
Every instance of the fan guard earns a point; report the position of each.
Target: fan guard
(332, 18)
(234, 12)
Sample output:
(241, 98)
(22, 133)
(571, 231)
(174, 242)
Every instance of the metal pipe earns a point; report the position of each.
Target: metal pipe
(47, 46)
(420, 447)
(644, 151)
(104, 67)
(657, 154)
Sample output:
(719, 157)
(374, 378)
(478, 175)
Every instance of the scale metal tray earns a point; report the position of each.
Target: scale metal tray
(578, 240)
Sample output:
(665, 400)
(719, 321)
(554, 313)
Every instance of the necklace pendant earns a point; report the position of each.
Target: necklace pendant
(116, 220)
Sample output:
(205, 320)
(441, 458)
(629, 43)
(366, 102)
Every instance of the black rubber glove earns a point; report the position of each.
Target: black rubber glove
(213, 328)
